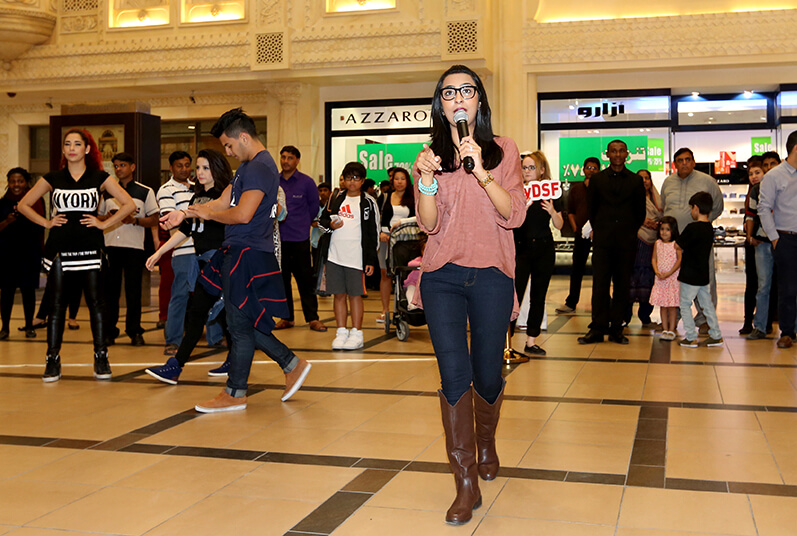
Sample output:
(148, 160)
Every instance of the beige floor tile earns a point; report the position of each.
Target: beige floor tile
(5, 529)
(280, 437)
(625, 531)
(787, 463)
(774, 516)
(189, 474)
(520, 429)
(535, 388)
(95, 467)
(240, 516)
(429, 491)
(26, 500)
(546, 371)
(379, 445)
(24, 531)
(214, 430)
(698, 394)
(16, 460)
(328, 419)
(760, 397)
(492, 525)
(589, 433)
(559, 501)
(776, 422)
(689, 511)
(382, 375)
(293, 482)
(369, 520)
(575, 457)
(713, 418)
(125, 511)
(619, 391)
(517, 409)
(595, 413)
(325, 372)
(358, 402)
(731, 466)
(717, 440)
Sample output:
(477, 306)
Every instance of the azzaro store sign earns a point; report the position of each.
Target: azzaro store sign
(400, 117)
(604, 110)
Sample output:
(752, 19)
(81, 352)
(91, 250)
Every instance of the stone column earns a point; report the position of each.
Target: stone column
(288, 95)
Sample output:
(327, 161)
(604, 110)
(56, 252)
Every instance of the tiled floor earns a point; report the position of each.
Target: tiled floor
(648, 439)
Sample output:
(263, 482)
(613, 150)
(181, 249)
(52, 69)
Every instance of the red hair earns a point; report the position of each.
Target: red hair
(94, 158)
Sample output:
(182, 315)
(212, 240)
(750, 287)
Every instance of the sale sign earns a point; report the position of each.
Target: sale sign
(537, 190)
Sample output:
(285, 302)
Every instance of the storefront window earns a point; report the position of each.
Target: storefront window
(787, 103)
(605, 109)
(745, 108)
(343, 6)
(134, 13)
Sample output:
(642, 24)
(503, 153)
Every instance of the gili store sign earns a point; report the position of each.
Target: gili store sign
(643, 153)
(379, 157)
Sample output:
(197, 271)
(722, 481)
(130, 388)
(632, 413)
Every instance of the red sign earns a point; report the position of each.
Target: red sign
(536, 190)
(726, 162)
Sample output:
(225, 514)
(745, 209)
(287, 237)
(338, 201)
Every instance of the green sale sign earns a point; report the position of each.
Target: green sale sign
(643, 153)
(379, 157)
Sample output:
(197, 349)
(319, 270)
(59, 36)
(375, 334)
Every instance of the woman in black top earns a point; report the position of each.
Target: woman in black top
(213, 174)
(399, 204)
(73, 251)
(25, 239)
(534, 248)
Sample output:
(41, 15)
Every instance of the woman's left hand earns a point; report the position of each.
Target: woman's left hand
(547, 205)
(92, 221)
(469, 147)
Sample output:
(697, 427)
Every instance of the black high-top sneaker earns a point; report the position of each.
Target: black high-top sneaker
(102, 368)
(52, 371)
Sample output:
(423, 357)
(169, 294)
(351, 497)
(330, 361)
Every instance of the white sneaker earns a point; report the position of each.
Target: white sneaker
(355, 340)
(341, 336)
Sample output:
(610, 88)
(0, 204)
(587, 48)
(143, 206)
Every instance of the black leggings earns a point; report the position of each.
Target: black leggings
(196, 316)
(536, 260)
(59, 284)
(7, 304)
(47, 301)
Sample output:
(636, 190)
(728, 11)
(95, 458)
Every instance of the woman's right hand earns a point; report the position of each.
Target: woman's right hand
(427, 163)
(57, 221)
(384, 237)
(152, 261)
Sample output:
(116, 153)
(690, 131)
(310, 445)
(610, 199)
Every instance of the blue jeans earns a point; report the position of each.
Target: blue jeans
(764, 264)
(453, 296)
(702, 295)
(245, 338)
(186, 270)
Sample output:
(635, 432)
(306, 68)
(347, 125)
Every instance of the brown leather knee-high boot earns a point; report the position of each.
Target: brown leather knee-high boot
(461, 449)
(486, 422)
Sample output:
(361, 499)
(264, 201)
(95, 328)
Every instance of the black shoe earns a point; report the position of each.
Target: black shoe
(747, 329)
(102, 368)
(30, 334)
(161, 324)
(52, 371)
(534, 350)
(756, 335)
(32, 326)
(619, 338)
(3, 335)
(137, 340)
(591, 337)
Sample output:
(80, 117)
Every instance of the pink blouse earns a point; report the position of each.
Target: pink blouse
(470, 231)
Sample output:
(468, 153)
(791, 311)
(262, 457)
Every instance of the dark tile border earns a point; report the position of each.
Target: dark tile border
(332, 512)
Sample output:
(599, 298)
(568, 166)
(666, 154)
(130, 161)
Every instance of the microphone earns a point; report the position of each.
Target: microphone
(461, 119)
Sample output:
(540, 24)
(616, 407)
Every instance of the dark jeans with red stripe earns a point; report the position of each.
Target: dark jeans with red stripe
(245, 338)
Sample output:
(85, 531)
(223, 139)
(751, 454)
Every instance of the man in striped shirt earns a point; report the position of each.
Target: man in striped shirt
(176, 194)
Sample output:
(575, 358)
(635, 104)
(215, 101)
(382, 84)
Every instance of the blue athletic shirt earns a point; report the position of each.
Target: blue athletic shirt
(260, 173)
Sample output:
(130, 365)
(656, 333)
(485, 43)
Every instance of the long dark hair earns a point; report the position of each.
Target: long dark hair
(93, 159)
(219, 168)
(443, 145)
(408, 198)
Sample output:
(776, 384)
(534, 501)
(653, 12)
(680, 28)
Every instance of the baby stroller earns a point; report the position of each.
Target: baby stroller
(403, 246)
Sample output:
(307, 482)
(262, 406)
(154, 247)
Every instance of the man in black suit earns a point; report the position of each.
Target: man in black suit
(616, 199)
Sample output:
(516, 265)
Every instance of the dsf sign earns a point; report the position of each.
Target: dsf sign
(537, 190)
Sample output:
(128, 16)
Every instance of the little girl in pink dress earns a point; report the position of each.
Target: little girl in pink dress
(666, 291)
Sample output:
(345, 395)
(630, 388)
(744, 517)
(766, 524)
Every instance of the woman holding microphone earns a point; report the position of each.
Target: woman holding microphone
(469, 197)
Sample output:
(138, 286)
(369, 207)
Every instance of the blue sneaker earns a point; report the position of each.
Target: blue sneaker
(220, 371)
(168, 373)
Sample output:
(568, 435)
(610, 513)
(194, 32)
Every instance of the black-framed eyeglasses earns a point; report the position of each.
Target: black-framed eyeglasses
(355, 179)
(528, 168)
(450, 93)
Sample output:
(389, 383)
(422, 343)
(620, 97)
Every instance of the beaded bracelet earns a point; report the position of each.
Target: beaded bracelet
(487, 180)
(428, 190)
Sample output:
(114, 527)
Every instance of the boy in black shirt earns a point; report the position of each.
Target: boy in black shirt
(695, 242)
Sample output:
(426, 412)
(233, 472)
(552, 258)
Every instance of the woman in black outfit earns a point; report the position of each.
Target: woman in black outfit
(25, 239)
(213, 174)
(399, 204)
(73, 252)
(534, 248)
